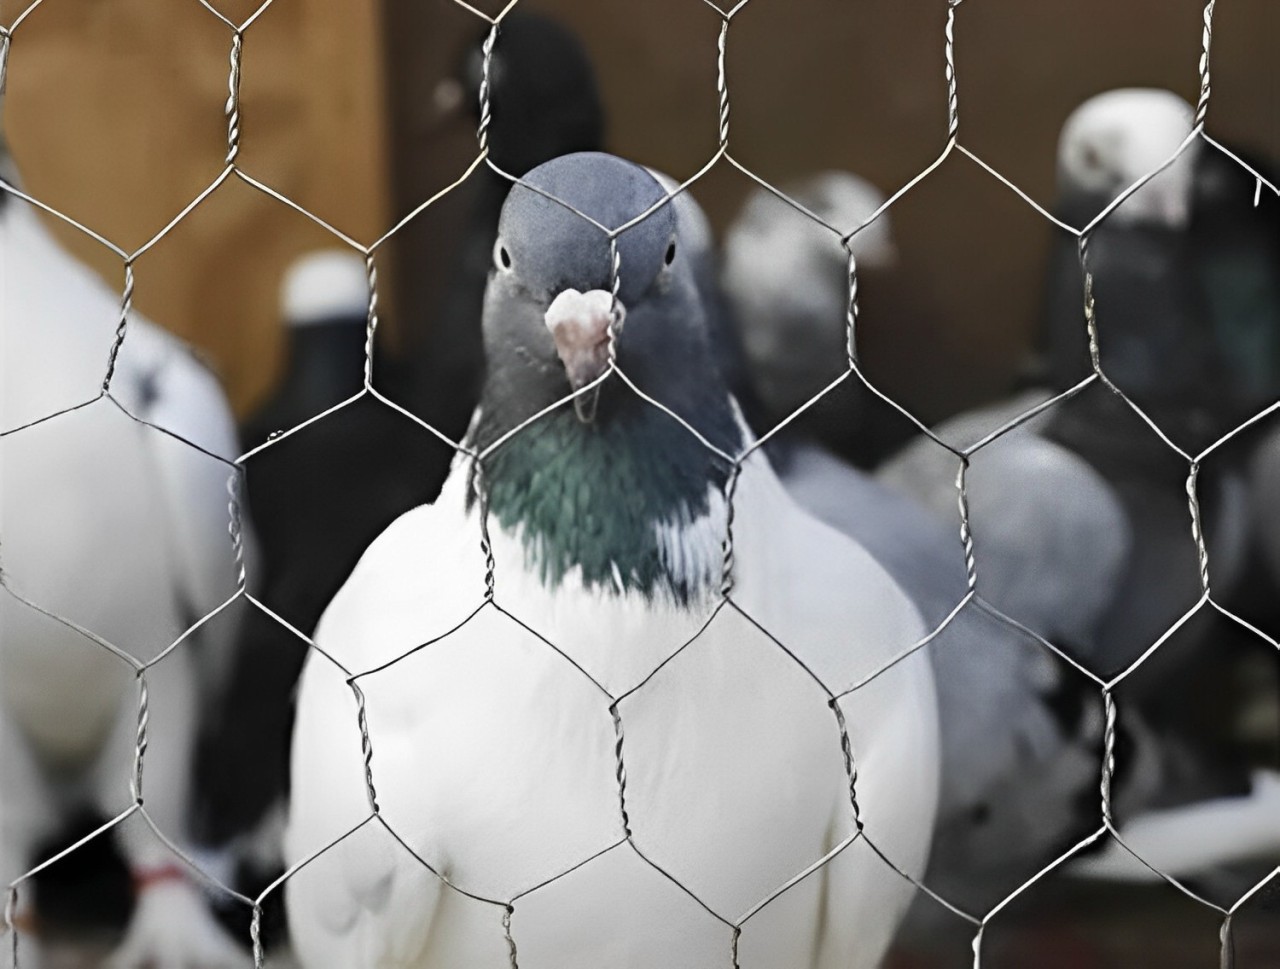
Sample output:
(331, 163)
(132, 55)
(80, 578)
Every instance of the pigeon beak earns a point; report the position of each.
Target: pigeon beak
(579, 324)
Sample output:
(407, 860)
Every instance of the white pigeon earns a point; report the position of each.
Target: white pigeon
(492, 749)
(122, 530)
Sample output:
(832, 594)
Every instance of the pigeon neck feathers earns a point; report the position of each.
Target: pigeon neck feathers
(626, 500)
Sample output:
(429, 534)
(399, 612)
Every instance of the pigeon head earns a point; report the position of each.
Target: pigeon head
(550, 297)
(605, 486)
(1112, 140)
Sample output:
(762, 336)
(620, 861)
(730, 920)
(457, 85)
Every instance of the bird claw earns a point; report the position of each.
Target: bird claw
(172, 928)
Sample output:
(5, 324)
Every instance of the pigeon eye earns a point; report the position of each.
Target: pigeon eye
(501, 258)
(670, 257)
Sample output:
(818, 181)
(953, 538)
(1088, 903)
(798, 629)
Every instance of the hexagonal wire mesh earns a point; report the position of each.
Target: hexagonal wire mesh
(488, 599)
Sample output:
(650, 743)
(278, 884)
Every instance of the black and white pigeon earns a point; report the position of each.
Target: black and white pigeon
(493, 752)
(324, 302)
(321, 496)
(1086, 494)
(121, 530)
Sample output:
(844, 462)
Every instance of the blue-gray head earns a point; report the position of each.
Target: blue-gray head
(549, 301)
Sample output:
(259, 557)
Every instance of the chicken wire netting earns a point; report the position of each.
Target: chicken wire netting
(488, 597)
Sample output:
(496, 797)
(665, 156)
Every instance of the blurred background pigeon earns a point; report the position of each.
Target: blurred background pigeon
(114, 532)
(1135, 571)
(1019, 731)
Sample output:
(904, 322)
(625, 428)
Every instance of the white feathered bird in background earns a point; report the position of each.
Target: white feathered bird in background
(494, 758)
(123, 530)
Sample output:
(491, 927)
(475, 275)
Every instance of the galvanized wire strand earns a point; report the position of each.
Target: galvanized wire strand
(185, 211)
(953, 88)
(727, 546)
(817, 865)
(552, 646)
(198, 874)
(1206, 38)
(140, 738)
(734, 462)
(5, 41)
(495, 20)
(27, 12)
(910, 650)
(366, 744)
(568, 871)
(232, 109)
(850, 764)
(482, 132)
(1197, 527)
(10, 189)
(481, 494)
(371, 315)
(615, 306)
(255, 937)
(1008, 621)
(620, 769)
(722, 84)
(1258, 176)
(56, 857)
(6, 583)
(126, 306)
(791, 418)
(1108, 753)
(966, 530)
(512, 952)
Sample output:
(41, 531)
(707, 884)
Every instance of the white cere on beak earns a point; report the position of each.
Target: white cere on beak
(579, 324)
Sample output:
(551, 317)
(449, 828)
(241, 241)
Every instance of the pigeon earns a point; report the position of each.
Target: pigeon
(1154, 339)
(113, 532)
(1157, 345)
(324, 303)
(785, 279)
(320, 496)
(600, 734)
(1015, 753)
(1085, 497)
(544, 102)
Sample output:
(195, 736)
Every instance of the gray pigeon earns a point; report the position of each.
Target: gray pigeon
(1015, 756)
